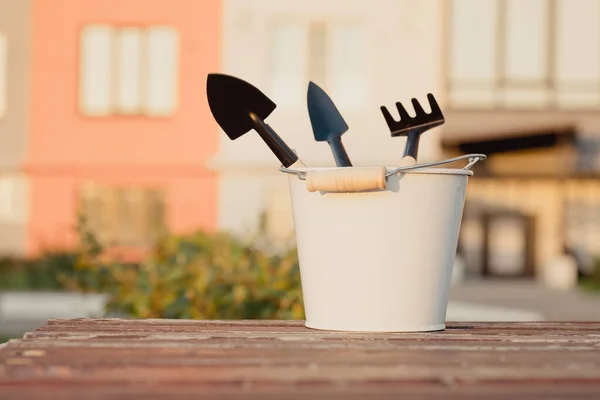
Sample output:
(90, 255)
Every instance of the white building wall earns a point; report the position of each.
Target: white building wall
(401, 58)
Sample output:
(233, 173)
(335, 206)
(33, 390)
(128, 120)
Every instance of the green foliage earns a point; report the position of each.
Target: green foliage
(4, 339)
(40, 273)
(198, 276)
(592, 283)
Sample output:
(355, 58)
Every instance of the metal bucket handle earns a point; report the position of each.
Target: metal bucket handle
(361, 179)
(473, 159)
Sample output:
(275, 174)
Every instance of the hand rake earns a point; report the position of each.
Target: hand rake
(413, 127)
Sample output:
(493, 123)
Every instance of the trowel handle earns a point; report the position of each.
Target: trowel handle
(339, 153)
(281, 150)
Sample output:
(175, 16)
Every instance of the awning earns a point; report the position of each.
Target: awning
(493, 132)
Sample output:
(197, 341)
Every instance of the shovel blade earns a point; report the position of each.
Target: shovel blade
(327, 122)
(231, 100)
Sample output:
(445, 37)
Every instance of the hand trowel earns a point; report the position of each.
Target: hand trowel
(413, 127)
(328, 125)
(239, 106)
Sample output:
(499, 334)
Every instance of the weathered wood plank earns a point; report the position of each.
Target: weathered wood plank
(191, 392)
(222, 359)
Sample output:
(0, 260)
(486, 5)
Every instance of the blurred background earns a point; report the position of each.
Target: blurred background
(120, 195)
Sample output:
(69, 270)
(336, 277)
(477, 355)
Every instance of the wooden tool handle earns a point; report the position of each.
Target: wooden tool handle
(407, 161)
(346, 180)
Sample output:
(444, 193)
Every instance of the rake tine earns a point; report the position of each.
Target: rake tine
(388, 117)
(435, 108)
(417, 106)
(404, 116)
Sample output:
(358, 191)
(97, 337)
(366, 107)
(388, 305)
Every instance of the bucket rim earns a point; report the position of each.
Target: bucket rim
(390, 170)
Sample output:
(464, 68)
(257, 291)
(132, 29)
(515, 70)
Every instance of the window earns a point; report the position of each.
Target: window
(13, 198)
(287, 64)
(124, 216)
(331, 55)
(582, 220)
(129, 70)
(578, 53)
(525, 53)
(3, 73)
(347, 72)
(317, 52)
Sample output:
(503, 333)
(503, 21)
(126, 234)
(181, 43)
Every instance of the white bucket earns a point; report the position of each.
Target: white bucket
(380, 259)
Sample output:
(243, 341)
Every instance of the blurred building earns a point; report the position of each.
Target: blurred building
(364, 54)
(523, 86)
(103, 109)
(15, 101)
(519, 80)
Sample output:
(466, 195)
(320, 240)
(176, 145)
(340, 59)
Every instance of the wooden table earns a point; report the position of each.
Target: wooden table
(175, 359)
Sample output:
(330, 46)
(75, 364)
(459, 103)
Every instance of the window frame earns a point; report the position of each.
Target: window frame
(18, 193)
(114, 110)
(118, 199)
(323, 69)
(501, 83)
(4, 56)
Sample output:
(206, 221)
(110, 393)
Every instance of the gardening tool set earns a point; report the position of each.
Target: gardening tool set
(375, 245)
(238, 106)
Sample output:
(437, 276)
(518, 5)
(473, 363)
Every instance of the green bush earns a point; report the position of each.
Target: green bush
(43, 272)
(4, 339)
(198, 276)
(592, 282)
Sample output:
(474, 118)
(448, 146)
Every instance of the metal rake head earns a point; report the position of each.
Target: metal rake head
(421, 121)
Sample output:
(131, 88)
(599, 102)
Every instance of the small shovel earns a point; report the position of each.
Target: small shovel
(413, 127)
(328, 125)
(238, 106)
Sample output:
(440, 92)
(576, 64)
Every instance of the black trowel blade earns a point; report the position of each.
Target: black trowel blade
(327, 122)
(231, 100)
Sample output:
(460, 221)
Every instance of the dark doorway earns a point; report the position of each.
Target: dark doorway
(508, 245)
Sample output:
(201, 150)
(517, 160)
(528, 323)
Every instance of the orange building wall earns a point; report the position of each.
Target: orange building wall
(67, 147)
